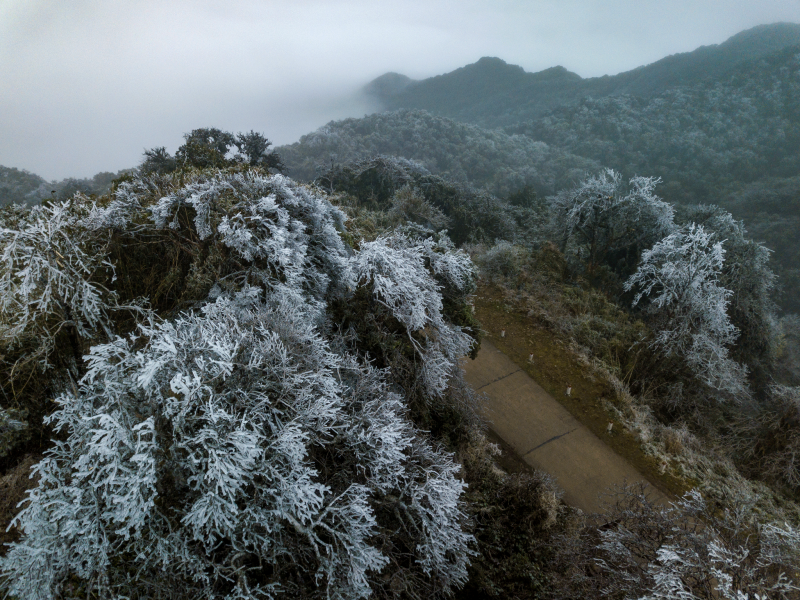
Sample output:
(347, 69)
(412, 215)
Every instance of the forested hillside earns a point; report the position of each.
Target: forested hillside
(19, 186)
(229, 384)
(705, 139)
(720, 125)
(488, 159)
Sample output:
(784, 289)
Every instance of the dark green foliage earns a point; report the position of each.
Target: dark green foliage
(513, 515)
(18, 185)
(213, 148)
(255, 149)
(69, 187)
(204, 148)
(473, 216)
(158, 160)
(526, 197)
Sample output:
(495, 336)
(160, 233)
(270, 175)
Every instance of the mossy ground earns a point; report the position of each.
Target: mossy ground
(553, 367)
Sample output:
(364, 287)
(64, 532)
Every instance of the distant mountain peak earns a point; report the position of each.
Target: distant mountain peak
(557, 72)
(387, 85)
(493, 62)
(779, 35)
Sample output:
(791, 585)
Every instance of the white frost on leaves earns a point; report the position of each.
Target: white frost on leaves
(689, 551)
(605, 217)
(395, 266)
(452, 267)
(234, 434)
(679, 275)
(47, 259)
(248, 391)
(288, 227)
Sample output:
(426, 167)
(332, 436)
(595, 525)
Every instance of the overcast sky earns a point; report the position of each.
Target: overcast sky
(86, 85)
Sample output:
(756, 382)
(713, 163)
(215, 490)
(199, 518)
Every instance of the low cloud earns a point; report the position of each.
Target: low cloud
(87, 85)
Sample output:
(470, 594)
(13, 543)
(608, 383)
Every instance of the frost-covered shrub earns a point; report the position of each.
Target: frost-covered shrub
(395, 267)
(408, 205)
(243, 447)
(49, 261)
(690, 549)
(279, 231)
(234, 436)
(770, 438)
(503, 260)
(687, 550)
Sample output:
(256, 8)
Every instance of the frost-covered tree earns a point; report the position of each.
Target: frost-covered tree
(254, 149)
(243, 448)
(205, 147)
(607, 223)
(747, 274)
(679, 276)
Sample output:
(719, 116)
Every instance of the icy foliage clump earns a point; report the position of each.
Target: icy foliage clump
(689, 550)
(396, 268)
(289, 229)
(680, 276)
(48, 279)
(600, 217)
(240, 449)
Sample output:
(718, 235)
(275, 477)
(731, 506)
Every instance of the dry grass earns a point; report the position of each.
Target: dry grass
(555, 363)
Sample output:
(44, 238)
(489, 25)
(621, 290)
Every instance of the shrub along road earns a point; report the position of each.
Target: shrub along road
(545, 435)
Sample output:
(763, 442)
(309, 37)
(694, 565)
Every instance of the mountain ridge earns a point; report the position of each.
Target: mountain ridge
(493, 93)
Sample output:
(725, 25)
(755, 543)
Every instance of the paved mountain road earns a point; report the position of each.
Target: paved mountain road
(545, 435)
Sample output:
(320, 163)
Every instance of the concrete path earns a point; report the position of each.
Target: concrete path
(545, 435)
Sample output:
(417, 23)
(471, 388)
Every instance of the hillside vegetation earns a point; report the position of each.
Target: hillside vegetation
(233, 372)
(21, 187)
(492, 160)
(719, 125)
